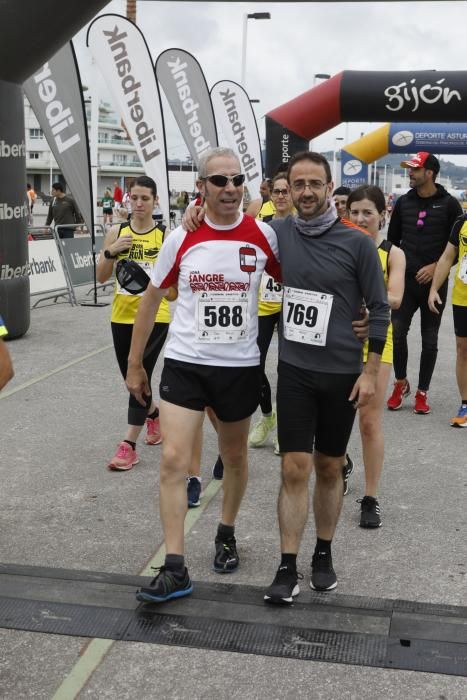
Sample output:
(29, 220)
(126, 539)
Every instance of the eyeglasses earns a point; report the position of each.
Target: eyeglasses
(283, 192)
(222, 180)
(314, 185)
(421, 218)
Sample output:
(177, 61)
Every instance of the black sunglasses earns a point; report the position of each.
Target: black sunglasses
(278, 191)
(222, 180)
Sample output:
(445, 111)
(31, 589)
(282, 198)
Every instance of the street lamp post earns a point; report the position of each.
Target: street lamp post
(246, 17)
(320, 76)
(334, 159)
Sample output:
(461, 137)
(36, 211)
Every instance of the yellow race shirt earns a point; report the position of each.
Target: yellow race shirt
(387, 356)
(144, 250)
(270, 292)
(458, 237)
(3, 330)
(267, 209)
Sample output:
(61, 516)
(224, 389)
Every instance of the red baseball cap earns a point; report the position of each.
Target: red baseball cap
(423, 159)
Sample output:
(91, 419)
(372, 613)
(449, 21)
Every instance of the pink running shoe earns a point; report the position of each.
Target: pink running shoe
(153, 434)
(124, 459)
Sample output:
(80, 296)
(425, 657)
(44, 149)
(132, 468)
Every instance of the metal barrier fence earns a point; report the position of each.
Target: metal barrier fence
(77, 255)
(46, 272)
(61, 260)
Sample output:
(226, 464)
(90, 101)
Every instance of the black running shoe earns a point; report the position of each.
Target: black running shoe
(166, 585)
(323, 577)
(193, 488)
(370, 515)
(226, 559)
(218, 469)
(347, 470)
(284, 588)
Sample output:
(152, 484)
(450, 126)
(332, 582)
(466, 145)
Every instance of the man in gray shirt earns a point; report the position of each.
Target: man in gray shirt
(63, 211)
(329, 269)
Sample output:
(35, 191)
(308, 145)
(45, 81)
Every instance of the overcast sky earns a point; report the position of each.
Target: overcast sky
(300, 39)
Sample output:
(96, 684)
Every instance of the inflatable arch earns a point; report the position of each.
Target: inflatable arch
(361, 96)
(34, 31)
(399, 138)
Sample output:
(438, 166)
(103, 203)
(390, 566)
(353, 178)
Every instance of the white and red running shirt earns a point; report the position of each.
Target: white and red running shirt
(218, 271)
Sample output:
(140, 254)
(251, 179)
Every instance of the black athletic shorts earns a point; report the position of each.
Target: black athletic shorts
(232, 392)
(313, 410)
(459, 314)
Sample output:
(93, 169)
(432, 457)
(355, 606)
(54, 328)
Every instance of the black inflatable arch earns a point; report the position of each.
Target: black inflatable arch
(33, 32)
(363, 96)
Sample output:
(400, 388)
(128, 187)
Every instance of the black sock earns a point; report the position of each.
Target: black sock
(464, 402)
(323, 546)
(132, 444)
(154, 414)
(174, 562)
(225, 532)
(289, 560)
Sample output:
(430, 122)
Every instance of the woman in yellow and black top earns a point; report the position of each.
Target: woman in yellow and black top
(456, 248)
(367, 207)
(140, 240)
(269, 310)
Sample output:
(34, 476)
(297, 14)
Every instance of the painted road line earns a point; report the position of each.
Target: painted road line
(97, 650)
(6, 394)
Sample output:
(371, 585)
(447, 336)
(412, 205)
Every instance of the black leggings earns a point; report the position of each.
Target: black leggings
(416, 297)
(121, 333)
(266, 325)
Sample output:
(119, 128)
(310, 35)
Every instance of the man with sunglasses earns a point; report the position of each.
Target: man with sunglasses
(328, 267)
(211, 358)
(420, 224)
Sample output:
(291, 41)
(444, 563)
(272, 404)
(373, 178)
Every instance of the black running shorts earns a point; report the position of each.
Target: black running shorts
(313, 410)
(460, 320)
(232, 392)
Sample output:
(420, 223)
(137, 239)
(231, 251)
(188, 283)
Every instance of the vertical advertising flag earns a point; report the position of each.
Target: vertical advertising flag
(124, 60)
(55, 94)
(236, 121)
(186, 90)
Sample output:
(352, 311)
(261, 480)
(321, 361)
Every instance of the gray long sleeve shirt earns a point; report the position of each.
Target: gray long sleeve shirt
(342, 262)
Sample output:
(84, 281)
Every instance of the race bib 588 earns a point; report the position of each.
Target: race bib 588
(222, 317)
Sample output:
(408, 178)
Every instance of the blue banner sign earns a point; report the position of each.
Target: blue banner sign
(354, 172)
(435, 138)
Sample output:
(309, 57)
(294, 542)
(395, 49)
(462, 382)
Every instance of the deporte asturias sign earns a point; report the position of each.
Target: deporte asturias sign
(432, 137)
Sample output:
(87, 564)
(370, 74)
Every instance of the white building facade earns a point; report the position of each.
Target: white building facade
(117, 157)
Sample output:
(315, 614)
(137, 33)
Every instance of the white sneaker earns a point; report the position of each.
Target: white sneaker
(260, 432)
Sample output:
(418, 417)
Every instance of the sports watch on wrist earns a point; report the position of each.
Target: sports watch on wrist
(108, 256)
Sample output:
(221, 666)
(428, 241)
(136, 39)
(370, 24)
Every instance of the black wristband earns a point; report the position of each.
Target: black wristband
(376, 345)
(108, 256)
